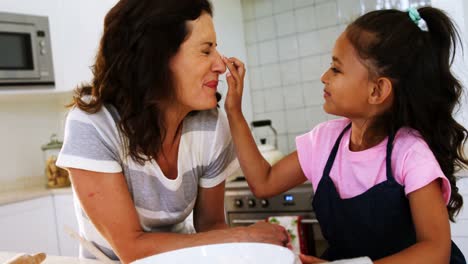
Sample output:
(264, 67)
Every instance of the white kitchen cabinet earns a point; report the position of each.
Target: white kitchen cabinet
(29, 226)
(460, 228)
(65, 216)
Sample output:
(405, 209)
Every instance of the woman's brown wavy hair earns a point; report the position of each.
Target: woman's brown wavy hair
(426, 92)
(131, 70)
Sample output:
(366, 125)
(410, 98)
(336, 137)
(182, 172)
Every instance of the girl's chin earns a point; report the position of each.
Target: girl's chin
(328, 109)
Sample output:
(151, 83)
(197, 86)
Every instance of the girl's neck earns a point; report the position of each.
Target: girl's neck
(365, 134)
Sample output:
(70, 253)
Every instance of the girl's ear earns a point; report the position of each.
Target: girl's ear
(380, 91)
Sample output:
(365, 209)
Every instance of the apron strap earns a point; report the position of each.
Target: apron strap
(388, 159)
(332, 156)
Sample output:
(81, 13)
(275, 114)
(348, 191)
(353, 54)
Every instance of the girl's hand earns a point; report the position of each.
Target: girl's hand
(310, 259)
(235, 80)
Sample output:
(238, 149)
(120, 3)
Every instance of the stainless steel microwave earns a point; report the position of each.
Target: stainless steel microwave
(25, 50)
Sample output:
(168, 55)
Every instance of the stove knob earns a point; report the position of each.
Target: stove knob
(264, 203)
(238, 203)
(251, 203)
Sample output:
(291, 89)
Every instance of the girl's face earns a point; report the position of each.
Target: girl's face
(197, 66)
(347, 82)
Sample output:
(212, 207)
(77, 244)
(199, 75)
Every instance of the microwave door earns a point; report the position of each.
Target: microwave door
(18, 52)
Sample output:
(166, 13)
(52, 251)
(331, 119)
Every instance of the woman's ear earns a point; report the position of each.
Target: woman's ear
(380, 91)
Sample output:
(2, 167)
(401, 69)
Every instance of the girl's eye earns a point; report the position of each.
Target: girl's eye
(335, 70)
(206, 52)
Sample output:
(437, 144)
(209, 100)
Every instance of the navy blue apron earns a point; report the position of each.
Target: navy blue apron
(376, 223)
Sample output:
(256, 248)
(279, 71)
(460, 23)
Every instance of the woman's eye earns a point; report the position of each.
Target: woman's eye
(206, 52)
(335, 70)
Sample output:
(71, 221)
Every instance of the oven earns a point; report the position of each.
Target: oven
(243, 208)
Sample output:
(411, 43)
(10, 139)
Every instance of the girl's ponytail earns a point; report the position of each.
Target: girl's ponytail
(448, 136)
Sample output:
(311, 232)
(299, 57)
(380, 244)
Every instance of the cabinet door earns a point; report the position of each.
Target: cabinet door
(29, 227)
(65, 216)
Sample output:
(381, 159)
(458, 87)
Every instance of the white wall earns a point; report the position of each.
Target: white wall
(26, 125)
(230, 33)
(288, 48)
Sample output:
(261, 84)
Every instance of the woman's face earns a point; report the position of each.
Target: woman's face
(197, 66)
(346, 82)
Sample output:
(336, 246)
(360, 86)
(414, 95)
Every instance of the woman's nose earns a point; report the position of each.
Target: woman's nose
(218, 65)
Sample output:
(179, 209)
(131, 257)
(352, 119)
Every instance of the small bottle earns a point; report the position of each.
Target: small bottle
(56, 177)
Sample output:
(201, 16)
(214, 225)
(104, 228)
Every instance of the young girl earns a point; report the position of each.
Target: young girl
(383, 175)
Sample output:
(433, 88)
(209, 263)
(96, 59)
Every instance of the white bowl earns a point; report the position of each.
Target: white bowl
(228, 253)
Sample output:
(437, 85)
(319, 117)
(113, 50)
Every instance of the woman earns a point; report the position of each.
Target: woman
(145, 144)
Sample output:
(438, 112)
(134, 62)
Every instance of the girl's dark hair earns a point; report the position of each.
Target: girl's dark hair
(426, 93)
(131, 71)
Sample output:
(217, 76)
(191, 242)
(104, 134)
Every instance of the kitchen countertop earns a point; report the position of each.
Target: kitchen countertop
(4, 256)
(15, 196)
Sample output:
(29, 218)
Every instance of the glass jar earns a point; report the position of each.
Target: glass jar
(56, 177)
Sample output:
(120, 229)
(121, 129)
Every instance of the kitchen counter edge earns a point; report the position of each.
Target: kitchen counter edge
(15, 196)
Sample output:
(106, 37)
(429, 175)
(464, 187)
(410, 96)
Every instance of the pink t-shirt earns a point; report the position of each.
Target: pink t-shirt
(413, 163)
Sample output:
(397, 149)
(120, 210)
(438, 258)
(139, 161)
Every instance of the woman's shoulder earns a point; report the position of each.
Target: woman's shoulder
(106, 117)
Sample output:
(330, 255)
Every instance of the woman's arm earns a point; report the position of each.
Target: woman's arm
(430, 218)
(263, 179)
(208, 213)
(107, 202)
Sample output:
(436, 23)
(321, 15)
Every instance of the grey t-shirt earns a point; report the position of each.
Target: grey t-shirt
(206, 157)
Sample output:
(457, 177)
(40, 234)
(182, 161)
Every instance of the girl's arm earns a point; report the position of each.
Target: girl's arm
(107, 202)
(263, 179)
(430, 218)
